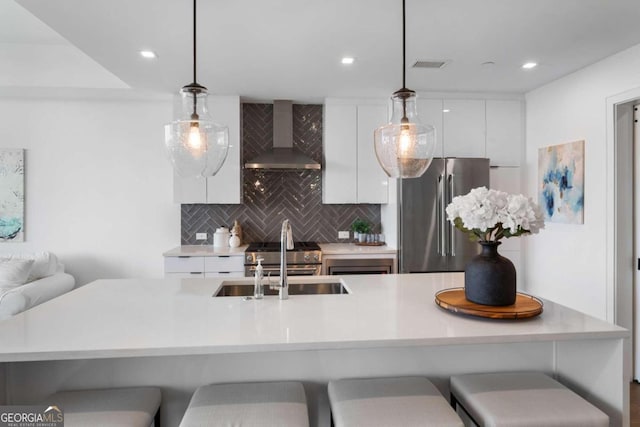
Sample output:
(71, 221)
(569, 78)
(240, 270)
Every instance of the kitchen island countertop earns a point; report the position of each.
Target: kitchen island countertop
(154, 317)
(173, 334)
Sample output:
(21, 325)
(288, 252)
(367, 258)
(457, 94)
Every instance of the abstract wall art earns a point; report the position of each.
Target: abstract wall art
(11, 195)
(561, 182)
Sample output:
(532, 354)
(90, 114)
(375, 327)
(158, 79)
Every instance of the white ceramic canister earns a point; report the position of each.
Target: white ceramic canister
(221, 237)
(234, 241)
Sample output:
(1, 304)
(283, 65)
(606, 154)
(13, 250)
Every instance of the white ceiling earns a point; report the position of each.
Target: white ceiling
(291, 49)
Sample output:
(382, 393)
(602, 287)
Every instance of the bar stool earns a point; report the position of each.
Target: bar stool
(522, 399)
(399, 401)
(116, 407)
(281, 404)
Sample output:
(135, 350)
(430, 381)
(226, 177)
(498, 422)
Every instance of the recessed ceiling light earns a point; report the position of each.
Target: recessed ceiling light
(529, 65)
(148, 54)
(446, 110)
(347, 60)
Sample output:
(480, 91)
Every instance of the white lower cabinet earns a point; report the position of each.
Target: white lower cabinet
(224, 274)
(191, 275)
(204, 266)
(184, 264)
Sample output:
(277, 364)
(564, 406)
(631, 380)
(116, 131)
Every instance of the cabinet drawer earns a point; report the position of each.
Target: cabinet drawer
(224, 263)
(192, 275)
(183, 264)
(210, 274)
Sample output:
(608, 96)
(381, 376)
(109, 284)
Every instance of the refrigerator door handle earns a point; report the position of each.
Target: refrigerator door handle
(452, 240)
(440, 219)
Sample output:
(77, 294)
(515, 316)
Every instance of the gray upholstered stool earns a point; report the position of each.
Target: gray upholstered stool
(116, 407)
(522, 399)
(399, 401)
(280, 404)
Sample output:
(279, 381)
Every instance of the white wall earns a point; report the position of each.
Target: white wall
(567, 263)
(98, 188)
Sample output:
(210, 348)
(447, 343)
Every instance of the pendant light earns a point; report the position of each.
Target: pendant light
(404, 147)
(196, 146)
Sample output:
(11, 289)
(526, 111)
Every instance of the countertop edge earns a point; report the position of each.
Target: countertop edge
(204, 250)
(310, 346)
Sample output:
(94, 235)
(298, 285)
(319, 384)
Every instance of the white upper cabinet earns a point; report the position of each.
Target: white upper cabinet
(351, 172)
(464, 128)
(504, 132)
(226, 186)
(430, 113)
(372, 180)
(340, 171)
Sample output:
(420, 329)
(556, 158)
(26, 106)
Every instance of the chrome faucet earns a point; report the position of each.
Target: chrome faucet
(286, 242)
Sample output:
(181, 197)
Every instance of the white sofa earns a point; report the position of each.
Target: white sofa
(46, 280)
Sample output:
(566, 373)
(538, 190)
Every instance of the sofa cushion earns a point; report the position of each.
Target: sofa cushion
(14, 273)
(45, 263)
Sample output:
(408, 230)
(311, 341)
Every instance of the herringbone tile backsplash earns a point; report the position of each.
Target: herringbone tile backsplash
(272, 196)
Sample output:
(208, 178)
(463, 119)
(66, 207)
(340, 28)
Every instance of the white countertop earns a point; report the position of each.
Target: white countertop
(204, 250)
(155, 317)
(353, 249)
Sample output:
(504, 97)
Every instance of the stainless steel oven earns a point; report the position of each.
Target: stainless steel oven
(274, 270)
(343, 266)
(305, 259)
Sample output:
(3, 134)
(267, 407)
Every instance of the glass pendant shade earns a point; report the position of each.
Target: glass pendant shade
(196, 146)
(404, 147)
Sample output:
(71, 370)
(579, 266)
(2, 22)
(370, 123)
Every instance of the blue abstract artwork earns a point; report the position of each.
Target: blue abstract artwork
(11, 195)
(561, 178)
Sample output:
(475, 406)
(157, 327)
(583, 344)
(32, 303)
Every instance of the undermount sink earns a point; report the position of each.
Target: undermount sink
(240, 289)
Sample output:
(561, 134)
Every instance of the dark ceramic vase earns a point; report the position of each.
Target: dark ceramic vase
(489, 278)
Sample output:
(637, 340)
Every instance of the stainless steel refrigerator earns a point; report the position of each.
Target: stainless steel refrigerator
(428, 242)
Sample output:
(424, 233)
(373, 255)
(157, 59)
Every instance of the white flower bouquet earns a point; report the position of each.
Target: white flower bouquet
(490, 215)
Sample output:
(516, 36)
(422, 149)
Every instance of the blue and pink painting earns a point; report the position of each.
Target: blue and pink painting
(561, 177)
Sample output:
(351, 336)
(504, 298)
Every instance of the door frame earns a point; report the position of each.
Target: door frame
(619, 203)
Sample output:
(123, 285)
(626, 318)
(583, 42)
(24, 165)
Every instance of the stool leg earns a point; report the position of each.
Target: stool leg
(454, 401)
(156, 419)
(454, 405)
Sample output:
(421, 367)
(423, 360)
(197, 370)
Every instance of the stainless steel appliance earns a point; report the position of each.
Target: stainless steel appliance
(338, 267)
(305, 259)
(428, 242)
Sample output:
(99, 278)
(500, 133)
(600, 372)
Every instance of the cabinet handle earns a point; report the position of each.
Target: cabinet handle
(452, 229)
(224, 272)
(223, 256)
(441, 218)
(184, 256)
(196, 272)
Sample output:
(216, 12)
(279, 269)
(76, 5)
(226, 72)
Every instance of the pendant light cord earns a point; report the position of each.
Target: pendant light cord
(194, 41)
(404, 85)
(195, 81)
(404, 61)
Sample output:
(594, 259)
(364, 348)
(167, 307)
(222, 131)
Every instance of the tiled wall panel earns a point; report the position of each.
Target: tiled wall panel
(272, 196)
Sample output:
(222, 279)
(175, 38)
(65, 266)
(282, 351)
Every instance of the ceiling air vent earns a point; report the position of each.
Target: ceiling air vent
(429, 64)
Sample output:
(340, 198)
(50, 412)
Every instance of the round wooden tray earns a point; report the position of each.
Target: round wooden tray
(454, 301)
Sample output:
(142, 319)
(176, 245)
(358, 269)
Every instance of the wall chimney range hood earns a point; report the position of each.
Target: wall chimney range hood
(282, 155)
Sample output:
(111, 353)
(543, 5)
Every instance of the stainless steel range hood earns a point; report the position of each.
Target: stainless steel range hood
(282, 155)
